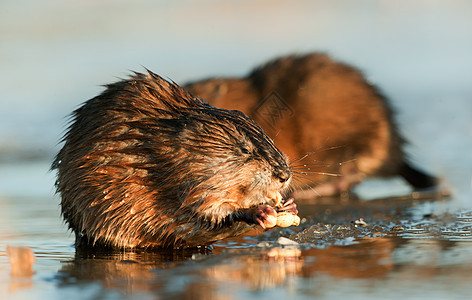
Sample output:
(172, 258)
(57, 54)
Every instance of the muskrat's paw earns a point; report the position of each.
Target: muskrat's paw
(287, 214)
(274, 198)
(265, 216)
(289, 206)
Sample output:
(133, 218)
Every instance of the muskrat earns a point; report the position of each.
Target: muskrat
(145, 164)
(335, 127)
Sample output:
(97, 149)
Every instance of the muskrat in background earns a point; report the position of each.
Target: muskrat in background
(335, 127)
(145, 164)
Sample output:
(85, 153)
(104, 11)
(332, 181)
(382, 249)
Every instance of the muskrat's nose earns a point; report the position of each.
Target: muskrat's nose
(283, 175)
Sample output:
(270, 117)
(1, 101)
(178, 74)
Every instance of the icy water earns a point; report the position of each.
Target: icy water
(56, 54)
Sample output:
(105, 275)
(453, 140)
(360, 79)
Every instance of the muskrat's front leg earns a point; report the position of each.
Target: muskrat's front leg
(263, 214)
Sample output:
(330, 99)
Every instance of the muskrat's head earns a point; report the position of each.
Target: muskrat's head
(236, 162)
(147, 164)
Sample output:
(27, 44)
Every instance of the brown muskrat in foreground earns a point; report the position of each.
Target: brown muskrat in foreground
(335, 127)
(145, 164)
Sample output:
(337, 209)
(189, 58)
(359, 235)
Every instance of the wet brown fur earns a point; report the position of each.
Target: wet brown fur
(145, 164)
(335, 122)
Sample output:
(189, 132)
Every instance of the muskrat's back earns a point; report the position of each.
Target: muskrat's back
(145, 164)
(324, 115)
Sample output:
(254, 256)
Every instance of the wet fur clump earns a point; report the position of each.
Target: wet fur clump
(146, 164)
(335, 127)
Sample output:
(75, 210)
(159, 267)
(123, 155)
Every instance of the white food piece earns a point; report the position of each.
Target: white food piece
(286, 219)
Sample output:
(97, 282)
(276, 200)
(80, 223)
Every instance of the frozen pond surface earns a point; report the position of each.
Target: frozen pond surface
(410, 248)
(55, 55)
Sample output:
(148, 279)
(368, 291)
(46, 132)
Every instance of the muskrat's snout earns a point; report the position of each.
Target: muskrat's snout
(283, 175)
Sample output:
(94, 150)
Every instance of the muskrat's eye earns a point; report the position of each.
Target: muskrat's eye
(244, 150)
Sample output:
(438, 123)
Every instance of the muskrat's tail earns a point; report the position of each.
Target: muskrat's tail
(418, 179)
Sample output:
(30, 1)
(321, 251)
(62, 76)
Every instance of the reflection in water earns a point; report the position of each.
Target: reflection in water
(370, 258)
(268, 268)
(21, 263)
(129, 271)
(196, 274)
(261, 268)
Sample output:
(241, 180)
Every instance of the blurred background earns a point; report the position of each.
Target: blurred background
(56, 54)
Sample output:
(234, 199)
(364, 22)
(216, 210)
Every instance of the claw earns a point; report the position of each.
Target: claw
(261, 223)
(290, 206)
(265, 216)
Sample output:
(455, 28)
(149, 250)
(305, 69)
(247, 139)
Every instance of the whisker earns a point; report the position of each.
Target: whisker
(347, 161)
(304, 156)
(299, 179)
(333, 148)
(306, 186)
(273, 140)
(309, 161)
(323, 165)
(313, 165)
(291, 189)
(318, 173)
(288, 190)
(316, 150)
